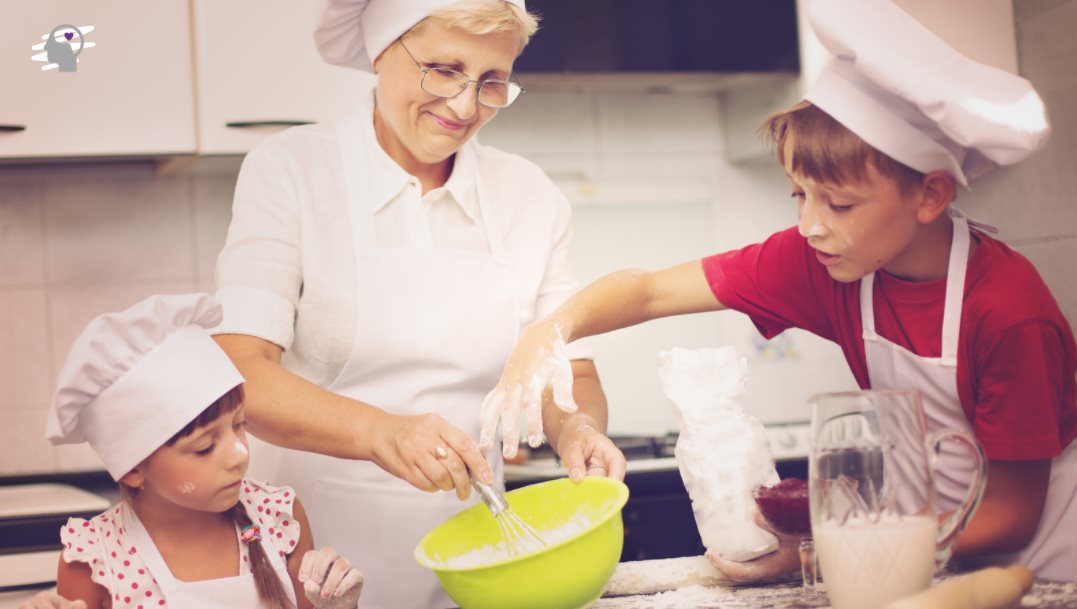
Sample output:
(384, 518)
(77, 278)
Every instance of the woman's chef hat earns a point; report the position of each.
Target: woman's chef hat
(352, 33)
(911, 96)
(135, 378)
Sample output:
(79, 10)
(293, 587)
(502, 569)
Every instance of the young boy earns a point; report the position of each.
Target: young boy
(915, 293)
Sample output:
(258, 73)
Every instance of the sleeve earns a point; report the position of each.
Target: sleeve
(271, 507)
(259, 271)
(559, 283)
(776, 283)
(1020, 401)
(82, 543)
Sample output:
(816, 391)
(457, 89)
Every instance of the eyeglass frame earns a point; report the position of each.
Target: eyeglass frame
(468, 80)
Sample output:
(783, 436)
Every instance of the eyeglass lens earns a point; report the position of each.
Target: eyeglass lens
(449, 83)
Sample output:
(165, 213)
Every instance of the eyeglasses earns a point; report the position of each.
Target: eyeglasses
(443, 82)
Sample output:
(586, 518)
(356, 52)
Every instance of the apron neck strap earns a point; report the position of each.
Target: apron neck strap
(955, 290)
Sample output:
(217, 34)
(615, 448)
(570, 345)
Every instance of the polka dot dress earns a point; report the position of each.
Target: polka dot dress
(103, 544)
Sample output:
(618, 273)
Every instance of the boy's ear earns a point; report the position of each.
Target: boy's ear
(937, 191)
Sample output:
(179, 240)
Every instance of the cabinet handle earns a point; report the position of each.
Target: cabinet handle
(12, 128)
(273, 123)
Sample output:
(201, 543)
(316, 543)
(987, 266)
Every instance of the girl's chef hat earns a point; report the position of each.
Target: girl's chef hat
(135, 378)
(352, 33)
(911, 96)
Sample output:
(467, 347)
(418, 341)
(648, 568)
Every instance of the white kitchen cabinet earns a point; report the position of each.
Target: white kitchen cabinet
(130, 92)
(259, 71)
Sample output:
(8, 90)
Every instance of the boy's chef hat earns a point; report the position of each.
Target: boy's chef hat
(352, 33)
(133, 379)
(911, 96)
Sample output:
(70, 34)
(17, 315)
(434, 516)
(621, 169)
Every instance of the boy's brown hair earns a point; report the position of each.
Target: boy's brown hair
(826, 151)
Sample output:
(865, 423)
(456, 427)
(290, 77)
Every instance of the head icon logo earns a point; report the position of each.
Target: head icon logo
(60, 47)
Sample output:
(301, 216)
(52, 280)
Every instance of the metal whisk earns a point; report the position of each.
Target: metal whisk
(520, 537)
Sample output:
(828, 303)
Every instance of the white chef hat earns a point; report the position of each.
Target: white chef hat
(911, 96)
(352, 33)
(133, 379)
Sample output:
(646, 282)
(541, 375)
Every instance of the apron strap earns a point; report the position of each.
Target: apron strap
(955, 288)
(353, 164)
(497, 247)
(867, 304)
(955, 291)
(148, 552)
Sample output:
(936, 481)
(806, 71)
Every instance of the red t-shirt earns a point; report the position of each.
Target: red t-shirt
(1016, 362)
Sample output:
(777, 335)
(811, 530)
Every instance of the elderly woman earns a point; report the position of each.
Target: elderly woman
(376, 275)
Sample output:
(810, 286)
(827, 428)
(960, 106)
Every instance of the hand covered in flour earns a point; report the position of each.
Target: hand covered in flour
(47, 599)
(539, 360)
(329, 580)
(585, 451)
(782, 563)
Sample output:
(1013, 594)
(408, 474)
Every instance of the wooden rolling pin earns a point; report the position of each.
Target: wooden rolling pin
(990, 588)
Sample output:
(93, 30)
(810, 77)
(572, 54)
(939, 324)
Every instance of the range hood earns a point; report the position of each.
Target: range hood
(660, 45)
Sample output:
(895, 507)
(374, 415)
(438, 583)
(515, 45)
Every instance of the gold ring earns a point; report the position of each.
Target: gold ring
(441, 452)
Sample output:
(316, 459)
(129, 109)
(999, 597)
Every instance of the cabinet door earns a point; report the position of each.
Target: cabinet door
(259, 71)
(130, 91)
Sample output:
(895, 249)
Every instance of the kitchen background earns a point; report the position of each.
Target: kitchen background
(659, 170)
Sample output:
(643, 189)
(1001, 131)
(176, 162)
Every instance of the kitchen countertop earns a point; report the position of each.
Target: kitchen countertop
(1043, 595)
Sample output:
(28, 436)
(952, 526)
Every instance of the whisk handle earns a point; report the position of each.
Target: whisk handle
(491, 497)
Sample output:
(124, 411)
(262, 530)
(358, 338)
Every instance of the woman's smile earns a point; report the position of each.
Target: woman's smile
(446, 123)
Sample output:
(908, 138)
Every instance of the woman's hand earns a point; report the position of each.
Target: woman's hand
(585, 451)
(329, 580)
(779, 564)
(540, 359)
(429, 453)
(47, 599)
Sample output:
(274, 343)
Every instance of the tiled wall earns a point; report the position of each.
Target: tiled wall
(76, 241)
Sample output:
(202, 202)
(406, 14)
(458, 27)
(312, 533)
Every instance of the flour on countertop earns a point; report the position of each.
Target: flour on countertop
(722, 452)
(660, 575)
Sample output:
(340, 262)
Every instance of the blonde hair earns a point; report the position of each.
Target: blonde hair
(826, 151)
(480, 17)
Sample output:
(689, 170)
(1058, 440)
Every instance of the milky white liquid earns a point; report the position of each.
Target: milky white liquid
(866, 565)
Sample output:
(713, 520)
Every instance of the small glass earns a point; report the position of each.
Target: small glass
(786, 508)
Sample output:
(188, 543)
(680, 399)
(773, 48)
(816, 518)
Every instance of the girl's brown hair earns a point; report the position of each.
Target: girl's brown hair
(826, 151)
(270, 588)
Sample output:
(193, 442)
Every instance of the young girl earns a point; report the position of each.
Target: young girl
(162, 406)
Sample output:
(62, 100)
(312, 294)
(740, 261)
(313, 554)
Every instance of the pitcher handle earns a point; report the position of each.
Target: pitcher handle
(951, 527)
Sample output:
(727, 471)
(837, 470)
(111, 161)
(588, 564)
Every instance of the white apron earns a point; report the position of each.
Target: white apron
(1051, 554)
(434, 328)
(221, 593)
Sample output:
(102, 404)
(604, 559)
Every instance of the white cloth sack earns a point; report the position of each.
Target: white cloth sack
(722, 452)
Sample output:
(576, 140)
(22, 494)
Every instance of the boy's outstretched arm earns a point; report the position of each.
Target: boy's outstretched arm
(1012, 504)
(618, 300)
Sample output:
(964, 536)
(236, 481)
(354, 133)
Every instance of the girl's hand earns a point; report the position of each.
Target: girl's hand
(329, 580)
(540, 359)
(429, 453)
(585, 451)
(47, 599)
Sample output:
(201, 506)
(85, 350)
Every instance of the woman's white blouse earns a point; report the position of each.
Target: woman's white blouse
(287, 273)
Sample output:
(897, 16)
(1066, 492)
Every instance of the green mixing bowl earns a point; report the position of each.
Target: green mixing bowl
(569, 574)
